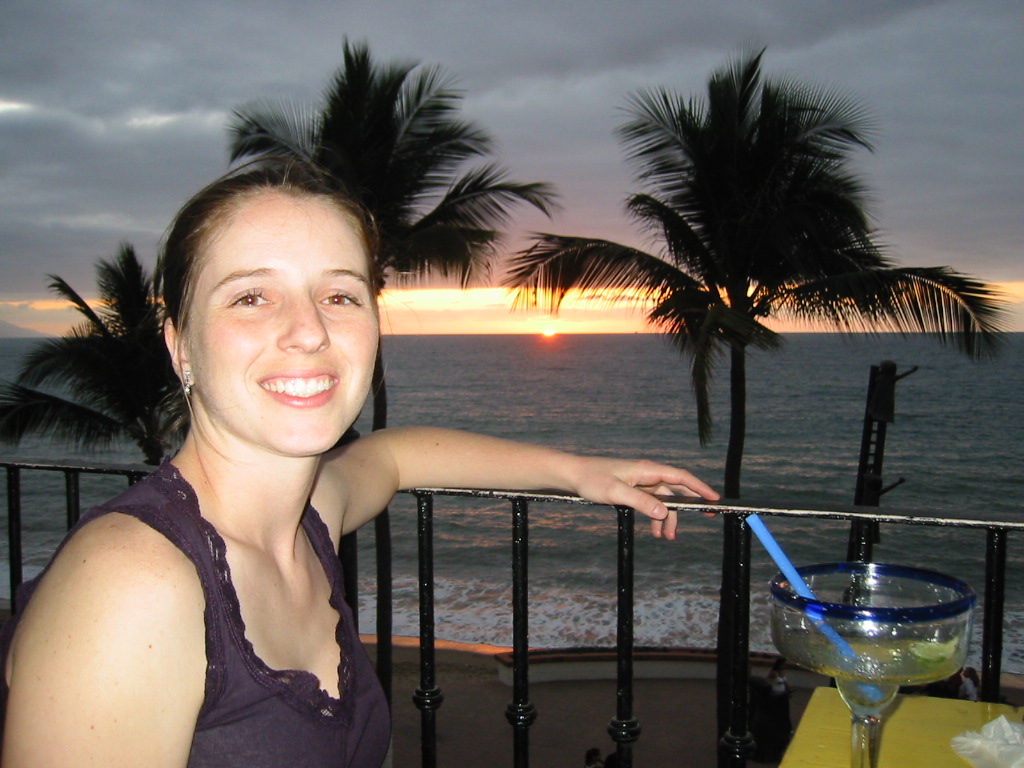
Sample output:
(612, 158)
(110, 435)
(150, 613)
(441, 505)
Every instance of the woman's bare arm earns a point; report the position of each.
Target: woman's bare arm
(364, 475)
(107, 667)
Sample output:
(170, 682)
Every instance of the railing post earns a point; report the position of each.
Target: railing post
(624, 727)
(428, 696)
(992, 627)
(385, 600)
(520, 713)
(72, 496)
(14, 530)
(736, 743)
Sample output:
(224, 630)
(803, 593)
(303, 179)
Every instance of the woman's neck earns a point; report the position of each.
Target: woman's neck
(257, 499)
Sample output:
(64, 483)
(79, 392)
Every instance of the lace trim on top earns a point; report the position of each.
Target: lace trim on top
(298, 687)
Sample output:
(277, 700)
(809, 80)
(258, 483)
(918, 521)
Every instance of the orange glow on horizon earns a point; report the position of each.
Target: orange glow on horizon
(430, 311)
(440, 311)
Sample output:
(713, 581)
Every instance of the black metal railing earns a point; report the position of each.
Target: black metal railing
(72, 501)
(735, 743)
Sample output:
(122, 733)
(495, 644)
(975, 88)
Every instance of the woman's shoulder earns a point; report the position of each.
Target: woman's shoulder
(112, 570)
(118, 616)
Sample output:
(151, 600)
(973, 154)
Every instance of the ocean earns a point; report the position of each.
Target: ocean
(955, 443)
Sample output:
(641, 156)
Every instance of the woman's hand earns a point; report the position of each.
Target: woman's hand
(639, 484)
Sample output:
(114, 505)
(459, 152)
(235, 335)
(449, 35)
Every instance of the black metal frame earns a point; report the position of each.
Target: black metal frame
(735, 743)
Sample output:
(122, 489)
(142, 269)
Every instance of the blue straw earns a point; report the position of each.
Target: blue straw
(799, 585)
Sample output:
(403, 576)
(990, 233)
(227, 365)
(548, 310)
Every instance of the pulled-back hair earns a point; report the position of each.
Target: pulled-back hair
(211, 210)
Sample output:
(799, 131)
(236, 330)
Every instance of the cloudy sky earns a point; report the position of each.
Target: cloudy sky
(113, 112)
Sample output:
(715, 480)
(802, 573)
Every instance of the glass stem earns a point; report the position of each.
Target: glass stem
(865, 741)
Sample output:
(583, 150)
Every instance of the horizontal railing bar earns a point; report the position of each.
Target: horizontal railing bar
(94, 469)
(960, 519)
(908, 516)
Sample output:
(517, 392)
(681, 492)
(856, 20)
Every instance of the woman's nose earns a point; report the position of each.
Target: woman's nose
(305, 330)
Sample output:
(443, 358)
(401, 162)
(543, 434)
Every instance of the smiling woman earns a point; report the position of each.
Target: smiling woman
(193, 582)
(282, 314)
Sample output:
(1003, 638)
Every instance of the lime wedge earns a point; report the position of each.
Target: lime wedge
(933, 652)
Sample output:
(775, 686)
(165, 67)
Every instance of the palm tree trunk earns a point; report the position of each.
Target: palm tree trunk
(380, 393)
(382, 537)
(737, 420)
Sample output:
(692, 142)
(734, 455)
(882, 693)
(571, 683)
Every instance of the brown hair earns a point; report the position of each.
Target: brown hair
(207, 212)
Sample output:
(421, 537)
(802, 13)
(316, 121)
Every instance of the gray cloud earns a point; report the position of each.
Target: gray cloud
(124, 105)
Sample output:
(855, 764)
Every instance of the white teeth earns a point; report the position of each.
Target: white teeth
(298, 387)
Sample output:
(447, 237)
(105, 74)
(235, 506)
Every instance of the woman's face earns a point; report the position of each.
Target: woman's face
(283, 329)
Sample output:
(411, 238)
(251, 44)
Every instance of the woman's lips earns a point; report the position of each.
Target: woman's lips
(300, 387)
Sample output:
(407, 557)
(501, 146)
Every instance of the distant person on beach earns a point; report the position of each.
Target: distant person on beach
(777, 678)
(945, 689)
(771, 722)
(970, 684)
(198, 619)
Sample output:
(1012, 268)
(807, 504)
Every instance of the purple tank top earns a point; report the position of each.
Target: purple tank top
(254, 716)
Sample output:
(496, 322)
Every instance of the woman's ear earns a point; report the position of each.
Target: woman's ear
(176, 348)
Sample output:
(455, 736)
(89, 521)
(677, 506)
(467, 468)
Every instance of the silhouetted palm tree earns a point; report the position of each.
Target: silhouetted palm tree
(759, 215)
(393, 136)
(109, 378)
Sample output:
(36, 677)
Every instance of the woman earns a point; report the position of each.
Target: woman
(198, 619)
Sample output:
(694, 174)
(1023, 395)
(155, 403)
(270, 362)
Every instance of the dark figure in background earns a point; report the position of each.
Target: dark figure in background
(970, 684)
(592, 759)
(770, 722)
(945, 689)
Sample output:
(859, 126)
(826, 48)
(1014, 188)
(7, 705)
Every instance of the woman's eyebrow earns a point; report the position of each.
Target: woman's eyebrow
(242, 274)
(263, 272)
(348, 273)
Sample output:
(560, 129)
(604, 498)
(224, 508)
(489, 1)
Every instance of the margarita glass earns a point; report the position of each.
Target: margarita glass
(873, 628)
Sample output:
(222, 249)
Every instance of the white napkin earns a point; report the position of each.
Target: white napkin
(999, 744)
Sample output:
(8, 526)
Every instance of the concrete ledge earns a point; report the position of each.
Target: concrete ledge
(552, 665)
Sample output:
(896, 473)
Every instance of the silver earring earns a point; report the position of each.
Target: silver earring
(188, 383)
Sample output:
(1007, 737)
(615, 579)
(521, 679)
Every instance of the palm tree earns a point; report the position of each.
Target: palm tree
(391, 134)
(759, 215)
(109, 378)
(751, 195)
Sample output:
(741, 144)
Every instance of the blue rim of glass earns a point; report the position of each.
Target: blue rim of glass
(782, 592)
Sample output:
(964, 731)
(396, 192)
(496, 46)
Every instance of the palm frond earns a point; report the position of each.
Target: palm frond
(24, 411)
(484, 198)
(555, 265)
(831, 122)
(444, 251)
(705, 354)
(93, 322)
(427, 119)
(126, 290)
(959, 310)
(685, 238)
(273, 127)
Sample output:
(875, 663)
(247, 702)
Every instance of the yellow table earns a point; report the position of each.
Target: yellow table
(916, 731)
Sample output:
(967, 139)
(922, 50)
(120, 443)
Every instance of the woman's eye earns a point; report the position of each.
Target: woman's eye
(341, 299)
(250, 299)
